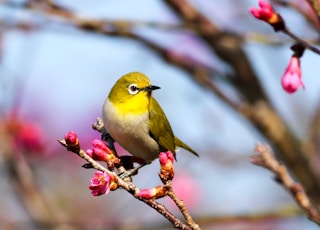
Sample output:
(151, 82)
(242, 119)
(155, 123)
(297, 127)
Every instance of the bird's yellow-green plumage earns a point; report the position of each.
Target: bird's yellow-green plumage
(136, 121)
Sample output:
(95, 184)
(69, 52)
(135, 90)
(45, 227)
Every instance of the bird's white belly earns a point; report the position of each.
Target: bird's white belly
(131, 132)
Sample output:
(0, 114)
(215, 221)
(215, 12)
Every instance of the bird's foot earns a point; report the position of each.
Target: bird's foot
(130, 172)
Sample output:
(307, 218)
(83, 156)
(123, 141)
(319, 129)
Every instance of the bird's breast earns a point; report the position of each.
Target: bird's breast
(131, 131)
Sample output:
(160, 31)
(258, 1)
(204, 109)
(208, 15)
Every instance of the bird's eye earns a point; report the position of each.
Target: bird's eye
(133, 89)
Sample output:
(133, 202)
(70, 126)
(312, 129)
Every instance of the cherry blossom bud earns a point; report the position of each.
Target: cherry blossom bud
(291, 79)
(166, 170)
(101, 152)
(72, 141)
(71, 138)
(101, 145)
(266, 13)
(152, 193)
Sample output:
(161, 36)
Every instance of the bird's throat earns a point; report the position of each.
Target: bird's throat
(136, 105)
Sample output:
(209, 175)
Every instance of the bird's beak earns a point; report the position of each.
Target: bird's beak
(150, 88)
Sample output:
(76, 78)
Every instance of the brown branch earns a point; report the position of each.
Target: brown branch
(266, 159)
(25, 185)
(180, 204)
(227, 45)
(301, 41)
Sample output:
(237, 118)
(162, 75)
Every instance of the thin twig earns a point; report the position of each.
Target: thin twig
(301, 41)
(266, 159)
(180, 204)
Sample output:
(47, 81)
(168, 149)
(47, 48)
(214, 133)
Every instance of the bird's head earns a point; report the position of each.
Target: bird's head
(132, 92)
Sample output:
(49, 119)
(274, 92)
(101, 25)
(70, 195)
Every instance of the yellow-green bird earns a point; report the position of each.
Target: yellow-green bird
(135, 120)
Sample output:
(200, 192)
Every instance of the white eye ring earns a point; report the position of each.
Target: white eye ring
(133, 89)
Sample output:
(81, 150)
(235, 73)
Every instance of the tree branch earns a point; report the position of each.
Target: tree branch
(266, 159)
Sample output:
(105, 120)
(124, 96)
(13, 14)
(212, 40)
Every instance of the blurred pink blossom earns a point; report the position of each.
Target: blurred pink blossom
(26, 135)
(187, 189)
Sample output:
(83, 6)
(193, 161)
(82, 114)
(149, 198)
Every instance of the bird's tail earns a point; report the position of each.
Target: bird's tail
(179, 143)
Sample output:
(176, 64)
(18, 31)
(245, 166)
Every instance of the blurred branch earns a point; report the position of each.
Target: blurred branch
(266, 159)
(305, 13)
(312, 140)
(315, 5)
(227, 45)
(25, 185)
(201, 73)
(272, 40)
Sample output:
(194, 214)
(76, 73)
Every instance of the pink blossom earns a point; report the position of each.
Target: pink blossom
(27, 136)
(291, 79)
(100, 183)
(187, 188)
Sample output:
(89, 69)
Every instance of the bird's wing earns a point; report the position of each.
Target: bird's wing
(160, 129)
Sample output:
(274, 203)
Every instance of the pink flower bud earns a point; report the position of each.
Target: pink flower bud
(266, 13)
(166, 158)
(152, 193)
(166, 162)
(101, 152)
(291, 79)
(71, 138)
(99, 155)
(101, 145)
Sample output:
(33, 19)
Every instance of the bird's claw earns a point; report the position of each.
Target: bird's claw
(128, 173)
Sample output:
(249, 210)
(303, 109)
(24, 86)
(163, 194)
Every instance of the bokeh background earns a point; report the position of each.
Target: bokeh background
(54, 77)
